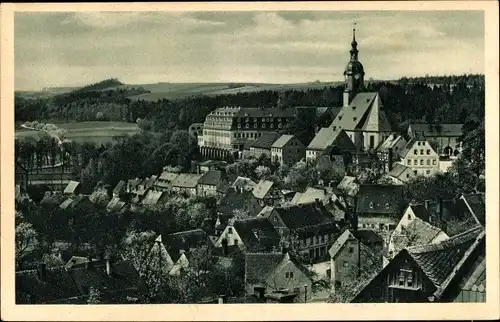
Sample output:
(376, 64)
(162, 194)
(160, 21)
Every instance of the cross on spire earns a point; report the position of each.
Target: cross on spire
(354, 32)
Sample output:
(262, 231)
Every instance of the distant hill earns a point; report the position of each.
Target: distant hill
(107, 83)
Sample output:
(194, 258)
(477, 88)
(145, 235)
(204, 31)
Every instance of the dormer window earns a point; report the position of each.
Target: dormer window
(354, 118)
(340, 117)
(387, 205)
(334, 128)
(354, 107)
(371, 205)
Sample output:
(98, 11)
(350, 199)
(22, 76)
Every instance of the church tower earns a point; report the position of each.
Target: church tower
(354, 72)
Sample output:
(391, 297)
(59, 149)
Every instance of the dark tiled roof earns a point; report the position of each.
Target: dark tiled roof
(379, 199)
(477, 206)
(244, 182)
(340, 242)
(265, 141)
(438, 260)
(367, 236)
(257, 233)
(390, 142)
(119, 187)
(420, 211)
(446, 129)
(211, 177)
(186, 180)
(185, 241)
(236, 200)
(258, 266)
(352, 117)
(301, 216)
(476, 281)
(397, 170)
(418, 232)
(256, 112)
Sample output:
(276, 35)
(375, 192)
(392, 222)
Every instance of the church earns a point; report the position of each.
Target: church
(361, 117)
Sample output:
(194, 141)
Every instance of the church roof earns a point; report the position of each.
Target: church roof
(351, 117)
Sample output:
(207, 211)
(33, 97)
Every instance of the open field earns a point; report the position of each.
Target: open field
(98, 132)
(180, 90)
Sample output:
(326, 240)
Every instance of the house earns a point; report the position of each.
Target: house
(195, 130)
(420, 157)
(265, 212)
(401, 174)
(158, 256)
(445, 136)
(186, 183)
(117, 281)
(349, 186)
(238, 202)
(188, 248)
(327, 137)
(352, 252)
(310, 229)
(208, 165)
(267, 193)
(476, 205)
(287, 149)
(164, 180)
(263, 144)
(132, 185)
(72, 188)
(378, 207)
(154, 197)
(268, 272)
(449, 271)
(120, 189)
(76, 201)
(250, 235)
(333, 158)
(211, 182)
(393, 146)
(312, 194)
(244, 183)
(115, 205)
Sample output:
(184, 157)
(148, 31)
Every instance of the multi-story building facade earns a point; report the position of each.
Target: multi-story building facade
(232, 127)
(288, 150)
(444, 136)
(421, 158)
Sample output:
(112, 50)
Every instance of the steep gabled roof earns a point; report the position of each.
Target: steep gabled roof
(301, 216)
(258, 266)
(311, 194)
(397, 170)
(282, 141)
(266, 212)
(379, 199)
(438, 260)
(420, 211)
(211, 177)
(71, 187)
(262, 188)
(352, 117)
(185, 241)
(476, 205)
(265, 141)
(325, 137)
(152, 197)
(418, 232)
(119, 187)
(367, 236)
(186, 180)
(257, 233)
(244, 182)
(233, 200)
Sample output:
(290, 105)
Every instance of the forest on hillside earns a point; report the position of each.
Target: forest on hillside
(450, 99)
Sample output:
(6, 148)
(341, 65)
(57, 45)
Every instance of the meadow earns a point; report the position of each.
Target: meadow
(97, 132)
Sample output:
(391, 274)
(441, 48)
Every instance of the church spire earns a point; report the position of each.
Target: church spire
(354, 44)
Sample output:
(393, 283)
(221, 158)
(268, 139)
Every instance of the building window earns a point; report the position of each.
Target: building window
(235, 242)
(387, 205)
(288, 274)
(428, 162)
(428, 171)
(230, 230)
(415, 151)
(409, 162)
(351, 250)
(407, 175)
(415, 172)
(255, 125)
(428, 151)
(415, 162)
(421, 162)
(263, 125)
(421, 151)
(239, 126)
(271, 125)
(433, 162)
(346, 264)
(371, 205)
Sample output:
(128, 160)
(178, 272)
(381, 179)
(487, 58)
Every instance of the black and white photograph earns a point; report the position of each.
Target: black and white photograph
(249, 156)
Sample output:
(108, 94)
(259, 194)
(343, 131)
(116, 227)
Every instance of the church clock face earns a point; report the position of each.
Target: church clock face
(357, 76)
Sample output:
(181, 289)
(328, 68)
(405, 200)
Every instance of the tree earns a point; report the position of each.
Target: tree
(262, 172)
(94, 296)
(301, 176)
(26, 241)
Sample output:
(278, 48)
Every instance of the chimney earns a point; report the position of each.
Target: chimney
(42, 271)
(225, 249)
(390, 160)
(316, 201)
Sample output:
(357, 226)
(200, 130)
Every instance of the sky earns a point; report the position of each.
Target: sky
(57, 49)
